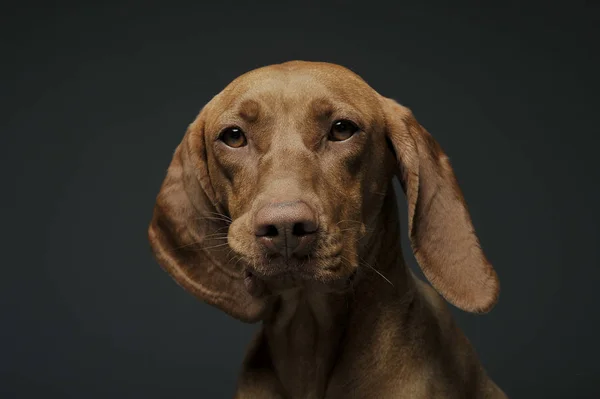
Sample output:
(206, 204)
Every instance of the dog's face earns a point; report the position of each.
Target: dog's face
(278, 181)
(298, 158)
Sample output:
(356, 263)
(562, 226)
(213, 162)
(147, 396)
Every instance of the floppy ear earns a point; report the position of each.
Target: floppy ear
(440, 228)
(188, 233)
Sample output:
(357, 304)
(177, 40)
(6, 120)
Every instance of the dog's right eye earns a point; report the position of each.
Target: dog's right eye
(234, 137)
(342, 130)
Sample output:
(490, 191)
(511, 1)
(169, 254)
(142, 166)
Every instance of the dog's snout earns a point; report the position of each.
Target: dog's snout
(286, 228)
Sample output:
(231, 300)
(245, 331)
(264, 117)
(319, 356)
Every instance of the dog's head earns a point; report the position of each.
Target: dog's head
(278, 179)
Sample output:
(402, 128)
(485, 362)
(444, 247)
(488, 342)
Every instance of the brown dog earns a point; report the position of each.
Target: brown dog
(278, 207)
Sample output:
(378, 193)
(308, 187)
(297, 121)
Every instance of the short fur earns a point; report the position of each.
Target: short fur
(352, 321)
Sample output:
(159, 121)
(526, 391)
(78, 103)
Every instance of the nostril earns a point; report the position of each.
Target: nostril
(303, 228)
(271, 231)
(285, 222)
(268, 230)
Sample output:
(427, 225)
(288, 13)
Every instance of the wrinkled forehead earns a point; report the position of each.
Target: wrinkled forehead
(306, 90)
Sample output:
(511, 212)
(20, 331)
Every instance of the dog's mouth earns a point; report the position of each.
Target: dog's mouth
(325, 274)
(307, 267)
(328, 263)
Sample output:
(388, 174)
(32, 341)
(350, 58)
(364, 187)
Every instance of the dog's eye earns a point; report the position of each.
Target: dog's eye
(342, 130)
(234, 137)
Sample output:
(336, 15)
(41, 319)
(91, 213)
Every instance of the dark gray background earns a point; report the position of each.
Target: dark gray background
(95, 99)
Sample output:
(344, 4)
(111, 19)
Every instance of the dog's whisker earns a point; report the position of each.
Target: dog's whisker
(222, 219)
(349, 221)
(220, 214)
(214, 246)
(216, 239)
(218, 235)
(239, 258)
(344, 259)
(217, 217)
(199, 243)
(235, 260)
(376, 271)
(367, 230)
(231, 254)
(188, 245)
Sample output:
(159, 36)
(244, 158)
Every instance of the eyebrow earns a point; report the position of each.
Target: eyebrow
(249, 110)
(322, 108)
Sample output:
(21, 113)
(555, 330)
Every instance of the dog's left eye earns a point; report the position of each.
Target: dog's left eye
(342, 130)
(234, 137)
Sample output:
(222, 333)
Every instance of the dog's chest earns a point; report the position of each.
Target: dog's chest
(303, 341)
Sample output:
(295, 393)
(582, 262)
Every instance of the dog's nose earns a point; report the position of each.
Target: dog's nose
(286, 228)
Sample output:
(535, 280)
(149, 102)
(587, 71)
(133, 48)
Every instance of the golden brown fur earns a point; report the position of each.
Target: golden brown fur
(350, 320)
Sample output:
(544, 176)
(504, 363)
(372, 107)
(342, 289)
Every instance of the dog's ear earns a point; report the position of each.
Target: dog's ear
(440, 228)
(188, 233)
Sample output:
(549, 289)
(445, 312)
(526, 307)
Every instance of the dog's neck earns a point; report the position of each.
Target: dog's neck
(306, 332)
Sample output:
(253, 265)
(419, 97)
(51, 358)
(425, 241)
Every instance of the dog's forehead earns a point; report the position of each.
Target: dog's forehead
(298, 84)
(298, 75)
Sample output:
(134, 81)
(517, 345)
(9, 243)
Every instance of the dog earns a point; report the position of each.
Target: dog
(278, 207)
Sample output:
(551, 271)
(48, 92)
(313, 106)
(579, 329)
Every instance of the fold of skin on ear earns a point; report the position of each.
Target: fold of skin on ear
(440, 228)
(188, 233)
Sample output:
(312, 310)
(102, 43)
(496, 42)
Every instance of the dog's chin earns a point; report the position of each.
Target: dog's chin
(274, 276)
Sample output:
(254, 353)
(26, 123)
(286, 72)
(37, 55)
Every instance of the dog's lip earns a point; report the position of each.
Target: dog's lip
(301, 269)
(255, 286)
(276, 266)
(265, 273)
